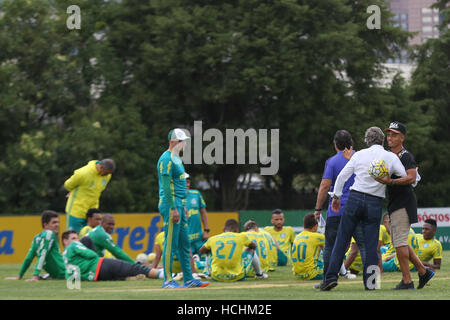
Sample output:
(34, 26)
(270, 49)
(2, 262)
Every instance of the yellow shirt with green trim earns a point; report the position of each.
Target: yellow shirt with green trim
(429, 249)
(272, 250)
(414, 243)
(85, 187)
(226, 250)
(357, 264)
(285, 237)
(384, 236)
(305, 252)
(262, 246)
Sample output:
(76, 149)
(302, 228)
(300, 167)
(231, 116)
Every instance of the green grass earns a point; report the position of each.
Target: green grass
(281, 285)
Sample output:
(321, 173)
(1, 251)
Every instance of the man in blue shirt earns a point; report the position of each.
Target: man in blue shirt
(333, 166)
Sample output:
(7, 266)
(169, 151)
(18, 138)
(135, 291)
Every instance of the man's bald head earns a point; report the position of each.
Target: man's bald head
(108, 223)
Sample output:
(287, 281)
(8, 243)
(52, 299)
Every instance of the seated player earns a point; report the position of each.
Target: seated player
(232, 254)
(272, 249)
(94, 218)
(305, 251)
(99, 239)
(284, 236)
(353, 260)
(390, 262)
(384, 239)
(176, 267)
(92, 267)
(252, 231)
(429, 246)
(45, 248)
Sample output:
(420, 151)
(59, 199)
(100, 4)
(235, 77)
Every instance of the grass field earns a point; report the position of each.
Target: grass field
(281, 285)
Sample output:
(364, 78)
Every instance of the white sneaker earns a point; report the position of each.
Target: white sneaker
(178, 277)
(349, 275)
(262, 276)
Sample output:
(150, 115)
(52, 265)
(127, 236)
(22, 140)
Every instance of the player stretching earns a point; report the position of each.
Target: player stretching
(172, 191)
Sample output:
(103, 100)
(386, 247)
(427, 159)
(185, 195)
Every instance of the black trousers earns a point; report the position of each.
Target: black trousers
(112, 269)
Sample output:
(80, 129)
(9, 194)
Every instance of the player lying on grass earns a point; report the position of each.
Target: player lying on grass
(46, 248)
(92, 267)
(306, 249)
(232, 254)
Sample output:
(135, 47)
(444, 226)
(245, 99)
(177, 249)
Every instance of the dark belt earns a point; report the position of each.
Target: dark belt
(367, 194)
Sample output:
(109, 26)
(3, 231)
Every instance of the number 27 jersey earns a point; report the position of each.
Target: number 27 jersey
(226, 250)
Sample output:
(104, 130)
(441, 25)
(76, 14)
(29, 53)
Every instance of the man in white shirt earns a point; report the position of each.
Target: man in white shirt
(364, 206)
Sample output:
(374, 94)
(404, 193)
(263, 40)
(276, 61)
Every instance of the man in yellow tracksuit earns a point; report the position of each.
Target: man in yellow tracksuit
(85, 187)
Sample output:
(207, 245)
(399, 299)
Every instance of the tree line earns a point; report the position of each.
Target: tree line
(135, 69)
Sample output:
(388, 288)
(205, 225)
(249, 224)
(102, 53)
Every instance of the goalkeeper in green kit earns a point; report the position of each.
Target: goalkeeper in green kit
(46, 248)
(92, 267)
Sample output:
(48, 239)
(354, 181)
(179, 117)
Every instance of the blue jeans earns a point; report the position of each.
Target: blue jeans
(364, 210)
(331, 230)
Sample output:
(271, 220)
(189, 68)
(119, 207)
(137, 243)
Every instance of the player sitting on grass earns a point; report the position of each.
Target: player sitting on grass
(99, 239)
(284, 236)
(272, 249)
(232, 254)
(176, 267)
(46, 248)
(92, 267)
(306, 249)
(94, 218)
(390, 261)
(252, 231)
(429, 246)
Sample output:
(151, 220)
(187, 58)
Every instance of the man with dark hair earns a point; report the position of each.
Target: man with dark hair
(306, 249)
(252, 231)
(429, 246)
(232, 253)
(363, 207)
(46, 248)
(283, 235)
(92, 267)
(402, 208)
(85, 187)
(342, 141)
(94, 218)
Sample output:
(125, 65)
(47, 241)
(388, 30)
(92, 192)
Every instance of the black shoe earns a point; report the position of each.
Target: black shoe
(425, 278)
(328, 285)
(404, 286)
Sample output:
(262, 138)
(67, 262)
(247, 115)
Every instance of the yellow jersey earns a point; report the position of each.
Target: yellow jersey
(85, 187)
(262, 246)
(226, 251)
(272, 250)
(384, 236)
(285, 238)
(414, 243)
(429, 249)
(357, 264)
(159, 240)
(305, 251)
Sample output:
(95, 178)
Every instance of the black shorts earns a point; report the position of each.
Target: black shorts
(112, 269)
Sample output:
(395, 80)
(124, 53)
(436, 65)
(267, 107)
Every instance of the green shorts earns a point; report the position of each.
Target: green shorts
(74, 223)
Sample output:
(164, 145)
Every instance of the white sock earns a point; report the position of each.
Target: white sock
(161, 274)
(343, 271)
(256, 264)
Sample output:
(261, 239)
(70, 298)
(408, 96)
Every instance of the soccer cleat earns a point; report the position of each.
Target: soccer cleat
(196, 284)
(136, 277)
(348, 275)
(425, 278)
(261, 276)
(404, 286)
(172, 285)
(328, 285)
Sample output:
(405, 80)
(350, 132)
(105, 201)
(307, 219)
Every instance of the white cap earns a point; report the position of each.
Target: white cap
(186, 175)
(178, 134)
